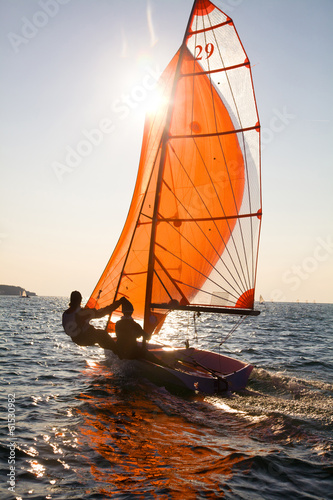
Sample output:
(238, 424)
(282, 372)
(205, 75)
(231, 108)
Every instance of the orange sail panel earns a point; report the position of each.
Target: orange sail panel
(192, 230)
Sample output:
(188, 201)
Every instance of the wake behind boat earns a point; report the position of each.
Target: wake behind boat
(190, 241)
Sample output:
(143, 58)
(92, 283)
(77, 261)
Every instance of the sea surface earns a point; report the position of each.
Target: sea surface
(87, 429)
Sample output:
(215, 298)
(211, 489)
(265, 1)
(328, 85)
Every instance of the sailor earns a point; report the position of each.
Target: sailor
(128, 331)
(75, 321)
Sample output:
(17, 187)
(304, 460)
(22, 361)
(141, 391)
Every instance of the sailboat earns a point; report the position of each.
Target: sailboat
(190, 241)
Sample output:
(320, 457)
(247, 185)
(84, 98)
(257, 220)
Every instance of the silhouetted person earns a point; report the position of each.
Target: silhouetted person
(75, 322)
(128, 331)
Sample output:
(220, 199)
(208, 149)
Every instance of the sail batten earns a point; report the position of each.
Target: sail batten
(213, 134)
(191, 236)
(209, 28)
(203, 308)
(216, 70)
(206, 219)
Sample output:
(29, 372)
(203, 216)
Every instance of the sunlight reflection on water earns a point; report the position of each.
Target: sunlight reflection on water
(91, 429)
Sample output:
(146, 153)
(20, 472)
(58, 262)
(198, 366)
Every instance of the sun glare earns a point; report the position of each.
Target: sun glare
(155, 102)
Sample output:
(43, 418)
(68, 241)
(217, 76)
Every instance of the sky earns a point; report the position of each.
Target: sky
(76, 77)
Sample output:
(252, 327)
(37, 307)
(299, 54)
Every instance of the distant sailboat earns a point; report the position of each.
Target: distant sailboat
(190, 241)
(24, 295)
(261, 300)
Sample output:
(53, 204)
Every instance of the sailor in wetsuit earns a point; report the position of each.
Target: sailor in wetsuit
(75, 322)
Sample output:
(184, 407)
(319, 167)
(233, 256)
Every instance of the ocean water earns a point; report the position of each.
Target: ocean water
(87, 429)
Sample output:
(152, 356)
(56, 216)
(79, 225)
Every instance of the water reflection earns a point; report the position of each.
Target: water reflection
(137, 438)
(36, 468)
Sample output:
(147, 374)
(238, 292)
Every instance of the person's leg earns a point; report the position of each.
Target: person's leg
(104, 340)
(93, 336)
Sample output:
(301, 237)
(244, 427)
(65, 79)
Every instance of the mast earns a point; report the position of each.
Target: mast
(165, 139)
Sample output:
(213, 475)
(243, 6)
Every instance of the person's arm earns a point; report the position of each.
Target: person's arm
(141, 333)
(99, 313)
(86, 314)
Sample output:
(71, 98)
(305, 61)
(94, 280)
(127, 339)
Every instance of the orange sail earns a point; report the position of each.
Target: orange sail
(191, 236)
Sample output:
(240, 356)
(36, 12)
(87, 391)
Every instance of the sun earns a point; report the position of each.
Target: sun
(155, 102)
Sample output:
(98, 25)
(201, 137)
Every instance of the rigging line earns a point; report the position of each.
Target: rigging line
(233, 329)
(245, 159)
(196, 270)
(173, 281)
(225, 162)
(195, 314)
(206, 237)
(160, 280)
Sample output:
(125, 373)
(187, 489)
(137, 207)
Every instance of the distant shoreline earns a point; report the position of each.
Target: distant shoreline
(14, 290)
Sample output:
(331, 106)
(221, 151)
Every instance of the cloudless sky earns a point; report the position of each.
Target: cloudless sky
(70, 67)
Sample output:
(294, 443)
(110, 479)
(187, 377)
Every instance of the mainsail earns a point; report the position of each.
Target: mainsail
(191, 237)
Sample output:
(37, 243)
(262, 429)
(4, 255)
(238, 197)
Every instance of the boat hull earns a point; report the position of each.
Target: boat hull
(193, 369)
